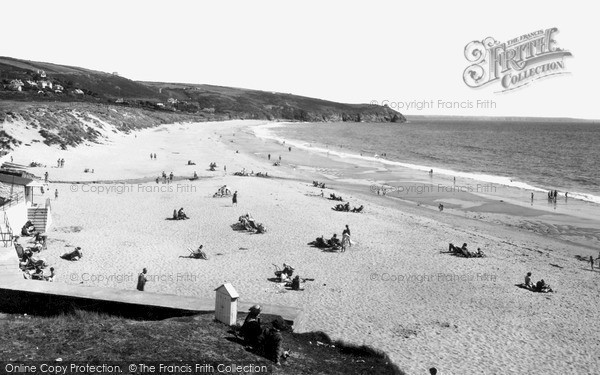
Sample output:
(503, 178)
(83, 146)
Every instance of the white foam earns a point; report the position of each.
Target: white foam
(264, 132)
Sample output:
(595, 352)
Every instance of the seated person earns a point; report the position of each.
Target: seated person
(540, 285)
(174, 214)
(37, 247)
(195, 174)
(296, 283)
(335, 241)
(181, 214)
(320, 242)
(287, 272)
(456, 249)
(38, 274)
(51, 276)
(528, 282)
(251, 328)
(28, 229)
(199, 254)
(347, 206)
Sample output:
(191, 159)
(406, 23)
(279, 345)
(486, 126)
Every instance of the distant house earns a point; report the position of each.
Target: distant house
(45, 84)
(78, 92)
(58, 91)
(58, 87)
(31, 83)
(41, 73)
(120, 101)
(172, 101)
(16, 85)
(160, 105)
(115, 74)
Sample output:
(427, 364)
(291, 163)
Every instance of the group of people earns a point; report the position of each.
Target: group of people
(540, 286)
(32, 265)
(248, 223)
(28, 229)
(263, 340)
(212, 166)
(320, 185)
(152, 156)
(60, 163)
(165, 178)
(179, 214)
(222, 192)
(334, 197)
(334, 242)
(243, 173)
(345, 207)
(464, 252)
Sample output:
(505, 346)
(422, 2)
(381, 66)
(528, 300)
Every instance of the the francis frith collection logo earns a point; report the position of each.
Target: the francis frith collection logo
(515, 63)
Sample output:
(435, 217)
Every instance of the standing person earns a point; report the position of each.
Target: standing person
(55, 193)
(269, 156)
(46, 177)
(592, 262)
(142, 280)
(171, 176)
(155, 156)
(347, 233)
(234, 199)
(58, 163)
(290, 149)
(150, 156)
(532, 196)
(225, 168)
(279, 157)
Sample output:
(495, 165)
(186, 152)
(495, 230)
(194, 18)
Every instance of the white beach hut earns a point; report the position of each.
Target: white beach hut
(226, 304)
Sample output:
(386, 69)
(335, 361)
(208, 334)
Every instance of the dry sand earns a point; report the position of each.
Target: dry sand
(394, 289)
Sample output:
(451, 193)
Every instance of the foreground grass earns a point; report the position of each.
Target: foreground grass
(91, 337)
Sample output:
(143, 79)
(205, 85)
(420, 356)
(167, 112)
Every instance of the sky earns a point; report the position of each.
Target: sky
(392, 52)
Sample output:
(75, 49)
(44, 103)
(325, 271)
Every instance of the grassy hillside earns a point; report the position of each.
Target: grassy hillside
(17, 78)
(88, 337)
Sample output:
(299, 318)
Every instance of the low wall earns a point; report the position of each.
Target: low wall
(45, 298)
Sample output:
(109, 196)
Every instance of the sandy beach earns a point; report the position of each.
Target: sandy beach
(395, 289)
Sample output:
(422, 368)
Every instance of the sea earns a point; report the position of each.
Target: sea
(533, 155)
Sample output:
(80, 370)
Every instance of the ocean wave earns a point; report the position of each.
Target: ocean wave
(264, 132)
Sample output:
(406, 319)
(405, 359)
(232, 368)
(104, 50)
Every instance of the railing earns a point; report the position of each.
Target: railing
(6, 232)
(13, 200)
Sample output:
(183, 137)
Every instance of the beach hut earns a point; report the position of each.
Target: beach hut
(226, 304)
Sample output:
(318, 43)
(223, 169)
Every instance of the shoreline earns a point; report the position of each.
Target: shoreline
(465, 196)
(395, 289)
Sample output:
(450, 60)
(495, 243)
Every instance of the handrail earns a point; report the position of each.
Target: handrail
(13, 200)
(8, 231)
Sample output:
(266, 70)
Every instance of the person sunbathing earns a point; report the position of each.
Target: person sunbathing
(73, 255)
